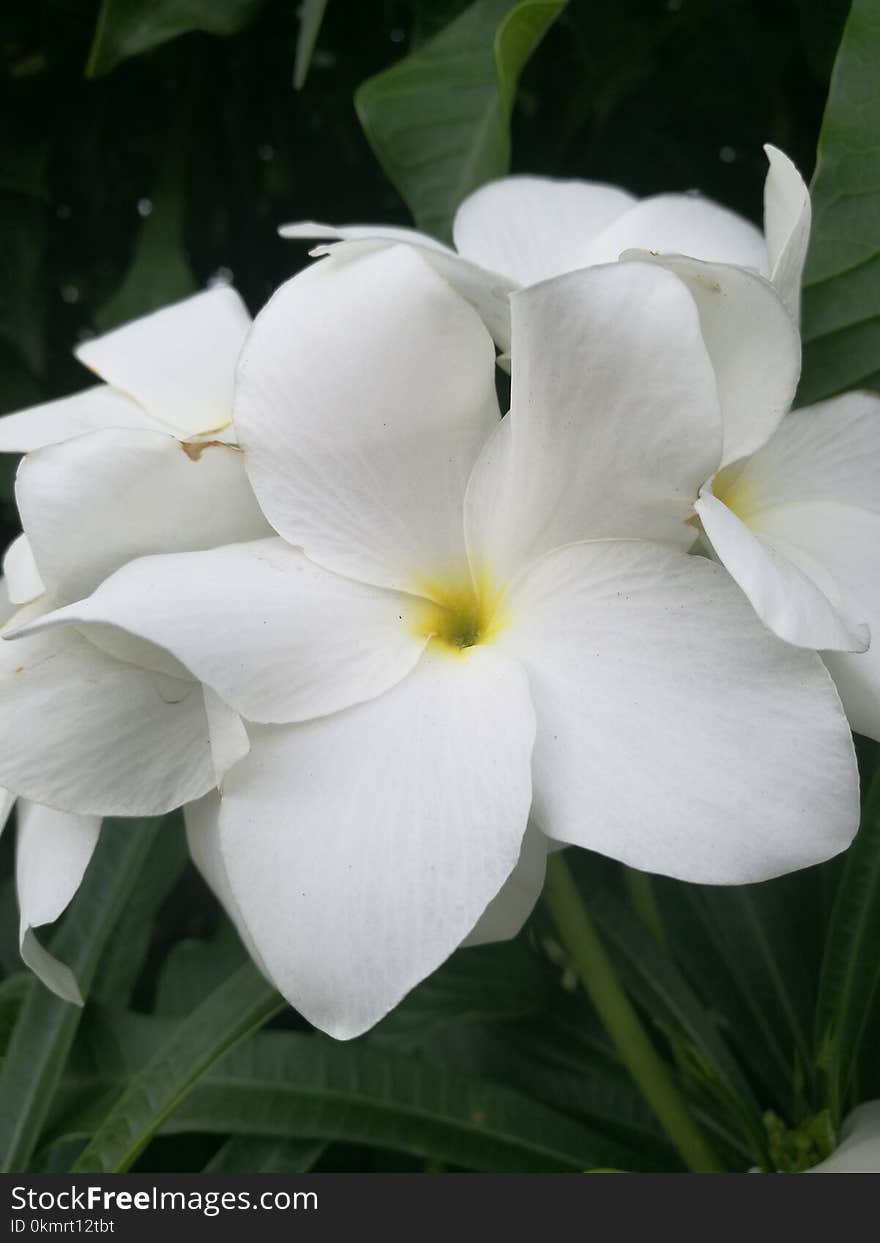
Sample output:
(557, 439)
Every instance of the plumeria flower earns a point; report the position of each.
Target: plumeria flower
(859, 1149)
(170, 371)
(467, 625)
(517, 231)
(797, 524)
(93, 722)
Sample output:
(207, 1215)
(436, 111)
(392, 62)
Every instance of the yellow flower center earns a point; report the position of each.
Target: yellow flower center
(459, 612)
(730, 487)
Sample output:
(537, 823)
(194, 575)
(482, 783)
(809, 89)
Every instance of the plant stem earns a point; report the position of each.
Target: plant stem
(640, 892)
(651, 1073)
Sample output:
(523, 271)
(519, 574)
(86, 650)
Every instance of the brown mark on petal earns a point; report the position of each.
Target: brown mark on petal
(195, 448)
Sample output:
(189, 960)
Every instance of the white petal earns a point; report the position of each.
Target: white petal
(532, 228)
(787, 217)
(859, 1149)
(674, 732)
(117, 643)
(52, 854)
(20, 572)
(682, 224)
(486, 291)
(278, 638)
(84, 732)
(227, 734)
(753, 344)
(362, 848)
(826, 452)
(7, 802)
(365, 392)
(94, 503)
(857, 677)
(179, 362)
(303, 230)
(505, 915)
(840, 545)
(804, 608)
(614, 418)
(56, 421)
(202, 821)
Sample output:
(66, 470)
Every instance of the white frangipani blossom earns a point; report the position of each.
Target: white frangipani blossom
(170, 371)
(92, 721)
(520, 230)
(794, 512)
(797, 524)
(463, 624)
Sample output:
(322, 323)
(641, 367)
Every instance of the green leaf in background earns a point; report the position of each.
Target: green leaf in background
(129, 27)
(293, 1086)
(439, 120)
(841, 309)
(311, 14)
(735, 985)
(655, 981)
(13, 992)
(124, 957)
(265, 1156)
(481, 983)
(548, 1059)
(46, 1026)
(851, 965)
(194, 968)
(159, 272)
(23, 217)
(238, 1007)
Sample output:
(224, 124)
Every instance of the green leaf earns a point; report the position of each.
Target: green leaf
(238, 1007)
(127, 28)
(479, 984)
(311, 14)
(159, 271)
(713, 940)
(439, 120)
(547, 1059)
(194, 968)
(766, 937)
(13, 991)
(124, 957)
(46, 1026)
(851, 964)
(841, 309)
(265, 1156)
(656, 983)
(294, 1086)
(23, 235)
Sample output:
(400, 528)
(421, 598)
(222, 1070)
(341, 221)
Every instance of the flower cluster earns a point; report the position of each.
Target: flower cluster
(389, 643)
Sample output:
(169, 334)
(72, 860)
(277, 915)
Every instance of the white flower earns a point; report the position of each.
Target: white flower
(859, 1149)
(94, 722)
(171, 371)
(797, 524)
(429, 649)
(517, 231)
